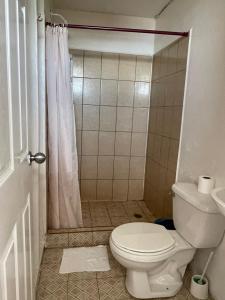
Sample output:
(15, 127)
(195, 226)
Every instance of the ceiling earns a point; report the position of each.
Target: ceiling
(138, 8)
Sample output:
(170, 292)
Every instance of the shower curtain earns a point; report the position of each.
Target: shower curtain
(64, 205)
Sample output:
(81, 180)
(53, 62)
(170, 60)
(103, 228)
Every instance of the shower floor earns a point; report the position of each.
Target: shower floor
(109, 214)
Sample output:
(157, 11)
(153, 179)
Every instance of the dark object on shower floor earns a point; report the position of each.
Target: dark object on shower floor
(167, 223)
(138, 216)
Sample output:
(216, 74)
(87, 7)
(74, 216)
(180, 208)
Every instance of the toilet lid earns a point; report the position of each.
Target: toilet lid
(142, 237)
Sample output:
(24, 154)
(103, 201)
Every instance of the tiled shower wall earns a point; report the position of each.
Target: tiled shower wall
(168, 78)
(111, 98)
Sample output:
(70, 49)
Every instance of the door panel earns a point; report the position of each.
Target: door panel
(15, 76)
(5, 122)
(18, 132)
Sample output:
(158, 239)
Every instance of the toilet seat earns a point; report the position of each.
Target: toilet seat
(143, 239)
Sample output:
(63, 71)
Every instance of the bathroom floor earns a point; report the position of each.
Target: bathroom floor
(113, 213)
(99, 220)
(88, 285)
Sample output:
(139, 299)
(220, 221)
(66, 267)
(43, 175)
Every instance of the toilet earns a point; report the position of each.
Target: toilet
(156, 258)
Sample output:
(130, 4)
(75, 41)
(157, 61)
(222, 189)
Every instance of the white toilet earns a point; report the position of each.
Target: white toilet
(156, 258)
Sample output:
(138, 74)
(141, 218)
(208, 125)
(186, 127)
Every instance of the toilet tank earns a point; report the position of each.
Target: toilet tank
(196, 217)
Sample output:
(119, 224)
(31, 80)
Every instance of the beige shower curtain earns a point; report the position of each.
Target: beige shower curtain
(64, 205)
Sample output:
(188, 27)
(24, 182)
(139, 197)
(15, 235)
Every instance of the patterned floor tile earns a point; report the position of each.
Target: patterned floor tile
(57, 240)
(52, 256)
(101, 237)
(87, 222)
(116, 270)
(82, 276)
(83, 290)
(116, 209)
(113, 289)
(50, 273)
(100, 221)
(53, 291)
(116, 221)
(132, 208)
(80, 239)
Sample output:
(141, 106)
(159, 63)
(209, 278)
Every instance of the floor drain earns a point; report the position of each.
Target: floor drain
(138, 216)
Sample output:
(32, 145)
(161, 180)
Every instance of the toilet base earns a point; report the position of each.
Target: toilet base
(143, 286)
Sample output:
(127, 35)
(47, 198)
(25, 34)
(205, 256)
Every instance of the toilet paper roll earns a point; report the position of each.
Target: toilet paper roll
(205, 184)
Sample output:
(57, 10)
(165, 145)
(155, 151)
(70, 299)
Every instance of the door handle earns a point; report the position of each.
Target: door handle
(39, 157)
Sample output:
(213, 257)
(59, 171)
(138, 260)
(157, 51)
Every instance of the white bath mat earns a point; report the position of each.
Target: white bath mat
(90, 259)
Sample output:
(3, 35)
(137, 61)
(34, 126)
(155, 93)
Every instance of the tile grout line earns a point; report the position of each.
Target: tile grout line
(117, 96)
(132, 129)
(99, 120)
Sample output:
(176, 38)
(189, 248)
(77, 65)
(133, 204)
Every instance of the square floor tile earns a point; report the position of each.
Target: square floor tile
(113, 289)
(81, 276)
(101, 221)
(59, 293)
(83, 290)
(80, 239)
(116, 221)
(116, 209)
(57, 240)
(52, 256)
(117, 270)
(101, 237)
(50, 273)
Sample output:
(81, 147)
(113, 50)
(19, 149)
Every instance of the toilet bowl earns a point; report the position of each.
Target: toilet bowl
(154, 257)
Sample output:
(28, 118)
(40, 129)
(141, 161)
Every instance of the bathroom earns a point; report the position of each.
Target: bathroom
(147, 102)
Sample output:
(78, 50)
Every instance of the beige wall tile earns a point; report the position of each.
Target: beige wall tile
(176, 124)
(90, 143)
(127, 67)
(104, 190)
(136, 190)
(138, 145)
(164, 152)
(182, 54)
(172, 58)
(77, 90)
(142, 94)
(109, 92)
(137, 168)
(143, 68)
(78, 141)
(125, 93)
(88, 190)
(110, 66)
(179, 95)
(90, 117)
(124, 119)
(121, 167)
(107, 118)
(92, 64)
(123, 143)
(152, 119)
(91, 91)
(173, 153)
(89, 167)
(105, 167)
(157, 148)
(140, 119)
(106, 143)
(78, 69)
(167, 121)
(120, 190)
(164, 62)
(78, 116)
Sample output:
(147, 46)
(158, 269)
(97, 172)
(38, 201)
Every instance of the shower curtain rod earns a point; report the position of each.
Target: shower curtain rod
(120, 29)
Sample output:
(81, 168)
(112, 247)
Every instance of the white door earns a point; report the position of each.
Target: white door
(19, 208)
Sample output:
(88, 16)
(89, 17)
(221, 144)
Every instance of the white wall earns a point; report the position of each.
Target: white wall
(105, 41)
(203, 138)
